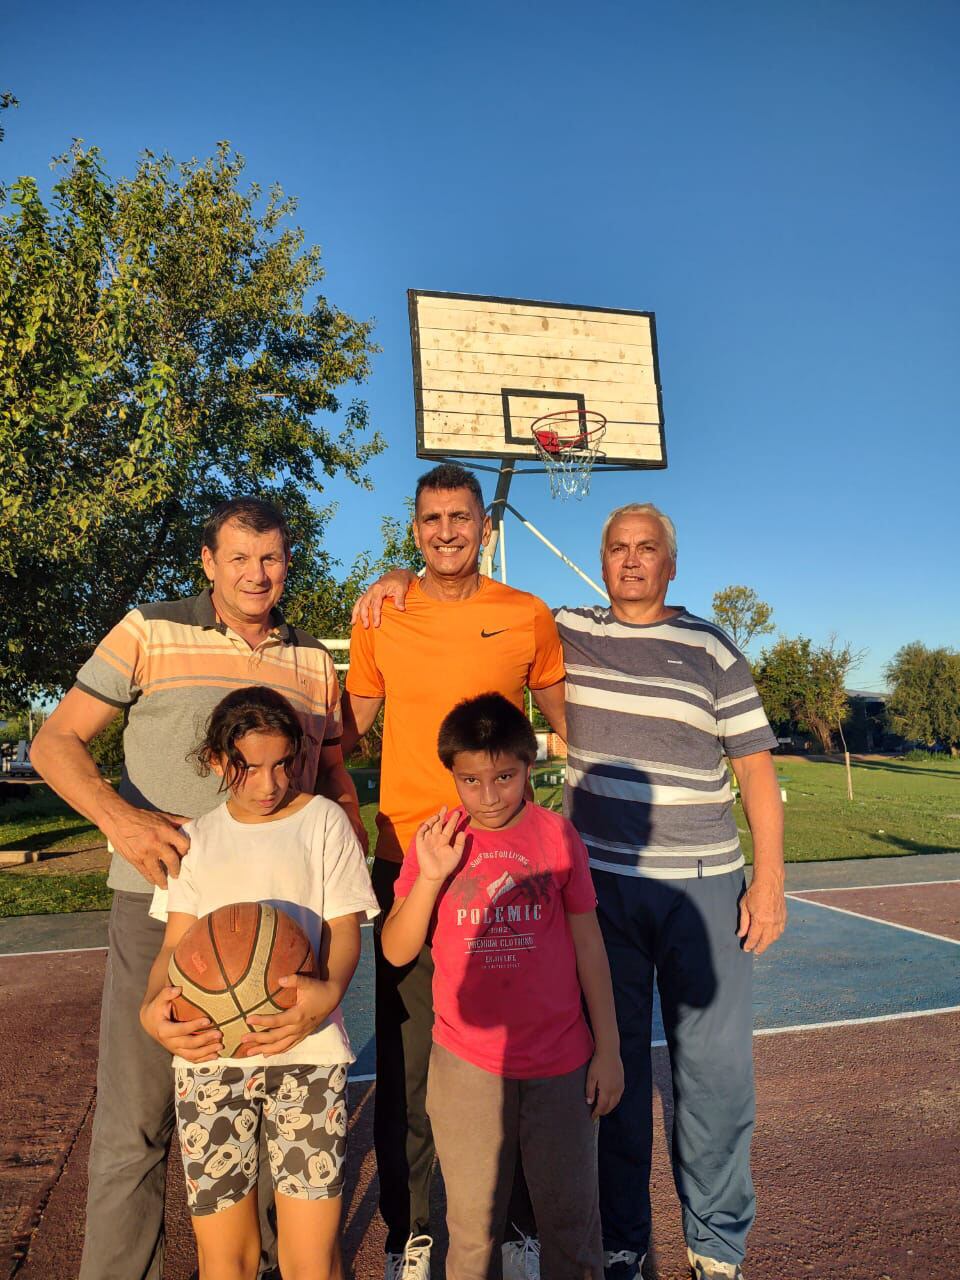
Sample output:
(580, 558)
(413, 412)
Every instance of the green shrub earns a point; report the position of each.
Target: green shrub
(107, 747)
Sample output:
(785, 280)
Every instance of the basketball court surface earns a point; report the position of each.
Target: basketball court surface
(857, 1008)
(857, 1041)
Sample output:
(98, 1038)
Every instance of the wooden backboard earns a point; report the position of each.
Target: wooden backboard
(484, 369)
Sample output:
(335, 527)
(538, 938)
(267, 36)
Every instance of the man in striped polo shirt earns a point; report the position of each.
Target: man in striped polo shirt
(165, 666)
(656, 698)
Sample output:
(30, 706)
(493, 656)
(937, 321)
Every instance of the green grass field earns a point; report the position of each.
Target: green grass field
(25, 895)
(899, 807)
(43, 821)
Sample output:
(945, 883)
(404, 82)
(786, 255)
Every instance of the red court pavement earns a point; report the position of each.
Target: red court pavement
(856, 1158)
(933, 908)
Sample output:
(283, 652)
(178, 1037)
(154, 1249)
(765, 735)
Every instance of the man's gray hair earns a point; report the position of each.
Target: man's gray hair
(641, 509)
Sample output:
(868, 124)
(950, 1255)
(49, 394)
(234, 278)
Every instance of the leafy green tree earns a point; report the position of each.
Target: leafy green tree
(742, 614)
(804, 687)
(322, 605)
(107, 747)
(17, 726)
(162, 346)
(399, 547)
(7, 100)
(925, 702)
(781, 679)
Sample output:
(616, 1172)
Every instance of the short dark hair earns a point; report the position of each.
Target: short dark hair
(487, 723)
(249, 513)
(255, 709)
(449, 475)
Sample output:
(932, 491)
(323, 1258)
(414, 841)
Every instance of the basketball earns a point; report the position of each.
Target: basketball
(228, 966)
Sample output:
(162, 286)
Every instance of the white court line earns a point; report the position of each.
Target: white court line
(851, 888)
(63, 951)
(782, 1031)
(856, 1022)
(859, 915)
(661, 1044)
(67, 951)
(838, 1022)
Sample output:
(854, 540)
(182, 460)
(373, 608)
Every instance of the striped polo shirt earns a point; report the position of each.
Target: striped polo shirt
(651, 712)
(166, 666)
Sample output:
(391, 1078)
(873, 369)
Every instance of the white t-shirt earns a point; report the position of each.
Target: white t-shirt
(309, 865)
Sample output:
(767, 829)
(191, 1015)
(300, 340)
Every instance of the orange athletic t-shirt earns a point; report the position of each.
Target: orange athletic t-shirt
(424, 661)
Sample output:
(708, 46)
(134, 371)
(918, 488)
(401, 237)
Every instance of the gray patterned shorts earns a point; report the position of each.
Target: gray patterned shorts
(220, 1107)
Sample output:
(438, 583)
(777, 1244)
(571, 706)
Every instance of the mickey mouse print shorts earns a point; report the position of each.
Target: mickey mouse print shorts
(220, 1108)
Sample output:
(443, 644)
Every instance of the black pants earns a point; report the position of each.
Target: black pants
(402, 1137)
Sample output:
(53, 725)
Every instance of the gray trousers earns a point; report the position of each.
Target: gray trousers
(480, 1120)
(134, 1119)
(685, 931)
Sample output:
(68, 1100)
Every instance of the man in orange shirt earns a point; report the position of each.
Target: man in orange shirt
(459, 635)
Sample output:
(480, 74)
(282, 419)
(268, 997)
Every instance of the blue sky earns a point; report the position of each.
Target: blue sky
(776, 180)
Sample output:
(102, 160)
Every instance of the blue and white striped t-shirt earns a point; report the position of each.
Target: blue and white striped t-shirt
(651, 712)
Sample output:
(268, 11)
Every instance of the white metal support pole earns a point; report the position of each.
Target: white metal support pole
(557, 552)
(507, 468)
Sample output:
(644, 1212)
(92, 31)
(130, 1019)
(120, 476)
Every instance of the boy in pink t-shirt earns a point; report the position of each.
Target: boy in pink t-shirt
(504, 894)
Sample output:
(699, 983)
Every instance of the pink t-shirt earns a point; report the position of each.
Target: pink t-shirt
(505, 991)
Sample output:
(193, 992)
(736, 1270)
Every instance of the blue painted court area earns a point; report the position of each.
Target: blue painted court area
(827, 967)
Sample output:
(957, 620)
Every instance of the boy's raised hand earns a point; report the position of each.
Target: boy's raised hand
(439, 848)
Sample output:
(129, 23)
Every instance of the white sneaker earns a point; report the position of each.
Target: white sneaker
(413, 1263)
(521, 1258)
(705, 1268)
(622, 1264)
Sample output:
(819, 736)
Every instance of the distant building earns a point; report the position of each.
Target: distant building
(867, 727)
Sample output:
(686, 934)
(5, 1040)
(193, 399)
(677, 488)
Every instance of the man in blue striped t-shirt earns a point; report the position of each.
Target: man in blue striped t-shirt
(656, 698)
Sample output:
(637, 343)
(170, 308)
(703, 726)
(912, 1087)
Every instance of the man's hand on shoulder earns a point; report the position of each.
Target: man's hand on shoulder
(150, 840)
(763, 913)
(391, 586)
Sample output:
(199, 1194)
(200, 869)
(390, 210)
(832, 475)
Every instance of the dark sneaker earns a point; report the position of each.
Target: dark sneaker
(703, 1268)
(622, 1264)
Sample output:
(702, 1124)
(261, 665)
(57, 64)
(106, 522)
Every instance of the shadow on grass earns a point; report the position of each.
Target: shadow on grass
(905, 845)
(905, 770)
(44, 839)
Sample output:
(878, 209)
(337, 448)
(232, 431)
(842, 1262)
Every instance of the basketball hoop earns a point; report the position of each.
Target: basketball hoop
(568, 444)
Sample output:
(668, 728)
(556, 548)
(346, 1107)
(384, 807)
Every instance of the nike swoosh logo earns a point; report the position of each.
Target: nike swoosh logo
(487, 634)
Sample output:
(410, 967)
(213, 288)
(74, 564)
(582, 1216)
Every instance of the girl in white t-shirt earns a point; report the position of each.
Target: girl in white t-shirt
(267, 843)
